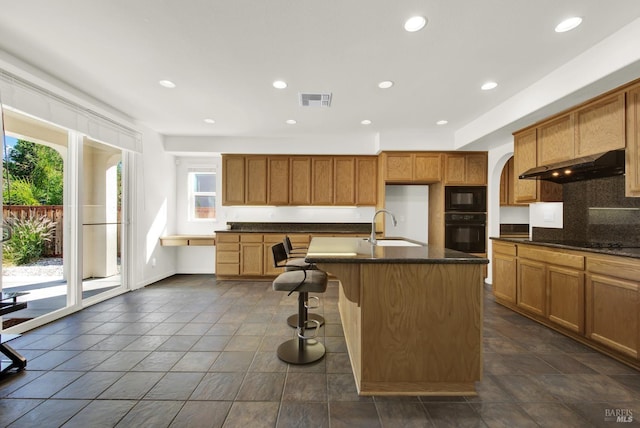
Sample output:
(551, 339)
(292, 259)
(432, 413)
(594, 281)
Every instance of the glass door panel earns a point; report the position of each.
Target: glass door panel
(101, 218)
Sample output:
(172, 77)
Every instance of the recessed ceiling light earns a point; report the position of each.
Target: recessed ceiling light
(442, 122)
(167, 84)
(366, 122)
(385, 84)
(290, 122)
(568, 24)
(489, 85)
(279, 84)
(209, 121)
(415, 23)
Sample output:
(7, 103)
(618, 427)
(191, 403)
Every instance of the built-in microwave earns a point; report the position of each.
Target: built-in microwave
(465, 198)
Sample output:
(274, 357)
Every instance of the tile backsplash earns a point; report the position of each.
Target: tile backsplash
(596, 211)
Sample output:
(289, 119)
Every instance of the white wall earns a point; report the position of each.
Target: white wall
(514, 215)
(154, 204)
(410, 205)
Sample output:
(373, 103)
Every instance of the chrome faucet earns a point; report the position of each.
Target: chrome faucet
(372, 238)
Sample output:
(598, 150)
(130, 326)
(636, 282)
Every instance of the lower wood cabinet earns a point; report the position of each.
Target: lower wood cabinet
(532, 286)
(613, 303)
(504, 271)
(566, 297)
(249, 255)
(594, 298)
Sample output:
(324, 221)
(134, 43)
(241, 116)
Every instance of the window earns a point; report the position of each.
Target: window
(202, 195)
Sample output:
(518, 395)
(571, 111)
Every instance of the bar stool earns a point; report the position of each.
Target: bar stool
(292, 251)
(303, 349)
(280, 260)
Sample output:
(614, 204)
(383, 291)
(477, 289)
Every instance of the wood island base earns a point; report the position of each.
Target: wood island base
(412, 329)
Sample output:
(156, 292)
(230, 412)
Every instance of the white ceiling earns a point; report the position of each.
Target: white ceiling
(224, 56)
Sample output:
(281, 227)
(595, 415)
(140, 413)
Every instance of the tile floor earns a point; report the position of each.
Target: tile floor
(192, 352)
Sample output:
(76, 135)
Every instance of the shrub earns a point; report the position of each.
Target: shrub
(28, 237)
(19, 192)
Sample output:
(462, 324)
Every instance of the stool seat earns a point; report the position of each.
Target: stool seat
(309, 281)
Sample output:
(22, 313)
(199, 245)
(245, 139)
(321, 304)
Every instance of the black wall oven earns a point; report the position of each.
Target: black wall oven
(466, 232)
(465, 198)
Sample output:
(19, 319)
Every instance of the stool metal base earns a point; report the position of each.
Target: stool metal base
(296, 351)
(293, 320)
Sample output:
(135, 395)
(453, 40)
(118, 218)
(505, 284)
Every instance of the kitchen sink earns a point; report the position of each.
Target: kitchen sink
(396, 243)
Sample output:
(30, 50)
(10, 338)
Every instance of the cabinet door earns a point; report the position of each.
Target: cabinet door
(566, 297)
(454, 169)
(555, 140)
(613, 311)
(524, 158)
(270, 240)
(475, 168)
(427, 167)
(251, 259)
(366, 180)
(322, 180)
(232, 180)
(504, 276)
(256, 180)
(599, 126)
(398, 167)
(632, 172)
(300, 172)
(532, 289)
(278, 180)
(344, 180)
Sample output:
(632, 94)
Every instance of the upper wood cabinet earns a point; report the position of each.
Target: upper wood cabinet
(278, 180)
(465, 168)
(300, 180)
(524, 158)
(555, 140)
(632, 164)
(366, 180)
(600, 126)
(408, 167)
(322, 180)
(344, 178)
(233, 180)
(256, 180)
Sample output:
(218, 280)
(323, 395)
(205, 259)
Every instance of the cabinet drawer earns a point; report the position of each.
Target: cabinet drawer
(273, 238)
(227, 269)
(614, 267)
(228, 257)
(503, 248)
(227, 247)
(251, 237)
(202, 242)
(552, 257)
(228, 237)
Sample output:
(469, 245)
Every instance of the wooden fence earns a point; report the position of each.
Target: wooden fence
(54, 213)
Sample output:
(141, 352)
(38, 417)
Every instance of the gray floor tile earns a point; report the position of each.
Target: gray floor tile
(205, 414)
(101, 413)
(253, 414)
(51, 413)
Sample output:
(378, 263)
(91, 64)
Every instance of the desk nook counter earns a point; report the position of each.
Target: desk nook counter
(411, 313)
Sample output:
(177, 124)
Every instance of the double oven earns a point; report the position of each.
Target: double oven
(465, 218)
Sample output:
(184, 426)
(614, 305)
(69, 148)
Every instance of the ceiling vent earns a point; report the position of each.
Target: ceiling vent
(315, 100)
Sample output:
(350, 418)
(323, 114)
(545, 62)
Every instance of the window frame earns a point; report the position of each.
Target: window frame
(192, 194)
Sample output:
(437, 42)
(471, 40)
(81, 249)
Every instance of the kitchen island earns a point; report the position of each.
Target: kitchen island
(411, 314)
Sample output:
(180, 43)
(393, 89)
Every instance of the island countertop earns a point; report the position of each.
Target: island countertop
(411, 314)
(360, 250)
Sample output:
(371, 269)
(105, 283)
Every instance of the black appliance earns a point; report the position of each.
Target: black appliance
(465, 199)
(595, 166)
(466, 232)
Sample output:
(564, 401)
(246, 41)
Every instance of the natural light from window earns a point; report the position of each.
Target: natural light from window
(202, 195)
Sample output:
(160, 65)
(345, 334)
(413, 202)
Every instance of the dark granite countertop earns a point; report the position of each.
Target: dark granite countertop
(359, 250)
(245, 227)
(622, 252)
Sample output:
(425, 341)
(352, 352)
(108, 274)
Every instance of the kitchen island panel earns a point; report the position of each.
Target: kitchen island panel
(412, 329)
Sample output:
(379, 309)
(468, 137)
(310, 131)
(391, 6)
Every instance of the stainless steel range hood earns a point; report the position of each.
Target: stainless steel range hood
(601, 165)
